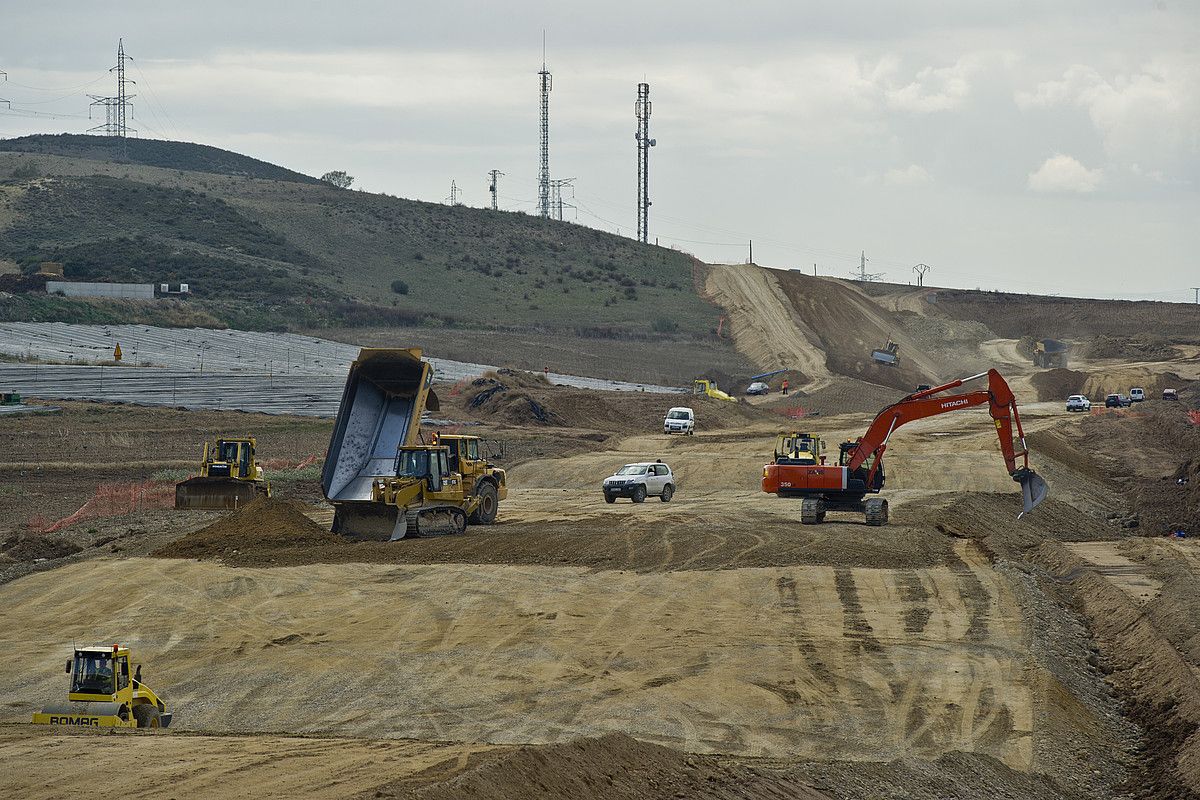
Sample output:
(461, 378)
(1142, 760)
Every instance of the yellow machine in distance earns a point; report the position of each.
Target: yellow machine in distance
(709, 389)
(799, 447)
(439, 488)
(104, 695)
(230, 477)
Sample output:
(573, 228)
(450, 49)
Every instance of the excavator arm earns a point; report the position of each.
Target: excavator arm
(1001, 404)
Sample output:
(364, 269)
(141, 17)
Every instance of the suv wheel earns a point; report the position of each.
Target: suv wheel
(639, 494)
(667, 493)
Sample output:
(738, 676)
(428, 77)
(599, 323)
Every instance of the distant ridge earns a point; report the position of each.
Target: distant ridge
(153, 153)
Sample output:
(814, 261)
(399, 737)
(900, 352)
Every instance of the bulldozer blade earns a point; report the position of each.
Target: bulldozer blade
(401, 529)
(217, 494)
(1033, 491)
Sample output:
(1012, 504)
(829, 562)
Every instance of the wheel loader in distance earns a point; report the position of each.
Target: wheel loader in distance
(103, 695)
(230, 477)
(383, 481)
(859, 472)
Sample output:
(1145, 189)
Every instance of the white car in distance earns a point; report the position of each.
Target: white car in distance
(680, 419)
(1078, 402)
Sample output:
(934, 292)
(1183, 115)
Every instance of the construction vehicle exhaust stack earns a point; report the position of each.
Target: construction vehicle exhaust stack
(382, 480)
(103, 694)
(230, 477)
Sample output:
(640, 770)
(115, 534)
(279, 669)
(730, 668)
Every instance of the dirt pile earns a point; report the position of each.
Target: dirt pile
(262, 527)
(1058, 383)
(526, 399)
(611, 767)
(1138, 347)
(992, 520)
(36, 547)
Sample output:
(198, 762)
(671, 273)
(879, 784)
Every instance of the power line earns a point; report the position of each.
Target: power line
(116, 109)
(862, 274)
(921, 269)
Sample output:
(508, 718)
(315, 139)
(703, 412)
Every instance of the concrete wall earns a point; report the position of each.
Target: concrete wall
(132, 291)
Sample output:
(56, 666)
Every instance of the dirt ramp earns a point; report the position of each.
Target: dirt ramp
(611, 767)
(264, 526)
(1058, 383)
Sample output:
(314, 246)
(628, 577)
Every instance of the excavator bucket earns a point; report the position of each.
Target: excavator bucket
(216, 494)
(1033, 490)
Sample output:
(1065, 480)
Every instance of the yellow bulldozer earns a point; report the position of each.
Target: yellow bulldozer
(710, 389)
(230, 477)
(104, 695)
(382, 479)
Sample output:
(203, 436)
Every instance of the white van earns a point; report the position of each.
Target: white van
(1137, 394)
(680, 420)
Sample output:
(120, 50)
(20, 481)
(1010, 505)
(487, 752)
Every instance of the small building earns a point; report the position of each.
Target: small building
(121, 291)
(50, 268)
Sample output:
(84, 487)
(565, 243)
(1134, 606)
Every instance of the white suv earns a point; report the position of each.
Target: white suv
(639, 481)
(1078, 402)
(680, 419)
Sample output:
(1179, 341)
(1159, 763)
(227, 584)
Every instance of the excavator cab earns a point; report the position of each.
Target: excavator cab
(857, 479)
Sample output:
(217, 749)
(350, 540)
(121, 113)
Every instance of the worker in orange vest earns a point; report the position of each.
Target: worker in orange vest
(785, 385)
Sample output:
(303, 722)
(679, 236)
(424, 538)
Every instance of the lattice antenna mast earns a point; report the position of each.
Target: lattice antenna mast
(862, 274)
(494, 179)
(116, 109)
(547, 83)
(641, 110)
(921, 269)
(454, 194)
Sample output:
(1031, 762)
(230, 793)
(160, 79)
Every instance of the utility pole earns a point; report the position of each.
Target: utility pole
(116, 109)
(453, 199)
(547, 83)
(1196, 289)
(862, 274)
(751, 261)
(641, 110)
(921, 269)
(494, 175)
(556, 201)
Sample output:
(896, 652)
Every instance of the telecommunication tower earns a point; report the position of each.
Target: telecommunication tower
(547, 83)
(494, 177)
(641, 110)
(116, 109)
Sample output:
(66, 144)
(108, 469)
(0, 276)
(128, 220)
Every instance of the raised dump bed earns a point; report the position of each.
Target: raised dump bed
(386, 392)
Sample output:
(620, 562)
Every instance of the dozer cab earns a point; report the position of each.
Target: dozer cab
(799, 448)
(230, 477)
(382, 480)
(103, 695)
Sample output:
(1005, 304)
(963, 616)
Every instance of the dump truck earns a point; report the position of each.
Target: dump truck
(888, 355)
(854, 482)
(709, 389)
(230, 477)
(104, 695)
(384, 481)
(1049, 353)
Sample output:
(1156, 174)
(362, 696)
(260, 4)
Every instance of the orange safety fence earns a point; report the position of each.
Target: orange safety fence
(286, 464)
(1194, 416)
(794, 412)
(114, 500)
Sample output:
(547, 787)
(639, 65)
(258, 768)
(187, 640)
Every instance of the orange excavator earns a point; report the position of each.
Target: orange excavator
(845, 486)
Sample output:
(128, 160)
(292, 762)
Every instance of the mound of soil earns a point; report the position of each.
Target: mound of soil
(264, 526)
(1139, 347)
(613, 767)
(525, 399)
(36, 546)
(1058, 383)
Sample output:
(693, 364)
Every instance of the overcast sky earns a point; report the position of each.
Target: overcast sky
(1044, 147)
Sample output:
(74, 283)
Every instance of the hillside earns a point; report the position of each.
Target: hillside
(280, 253)
(152, 153)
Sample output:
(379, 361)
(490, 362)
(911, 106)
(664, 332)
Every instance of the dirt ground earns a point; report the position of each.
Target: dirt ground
(706, 647)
